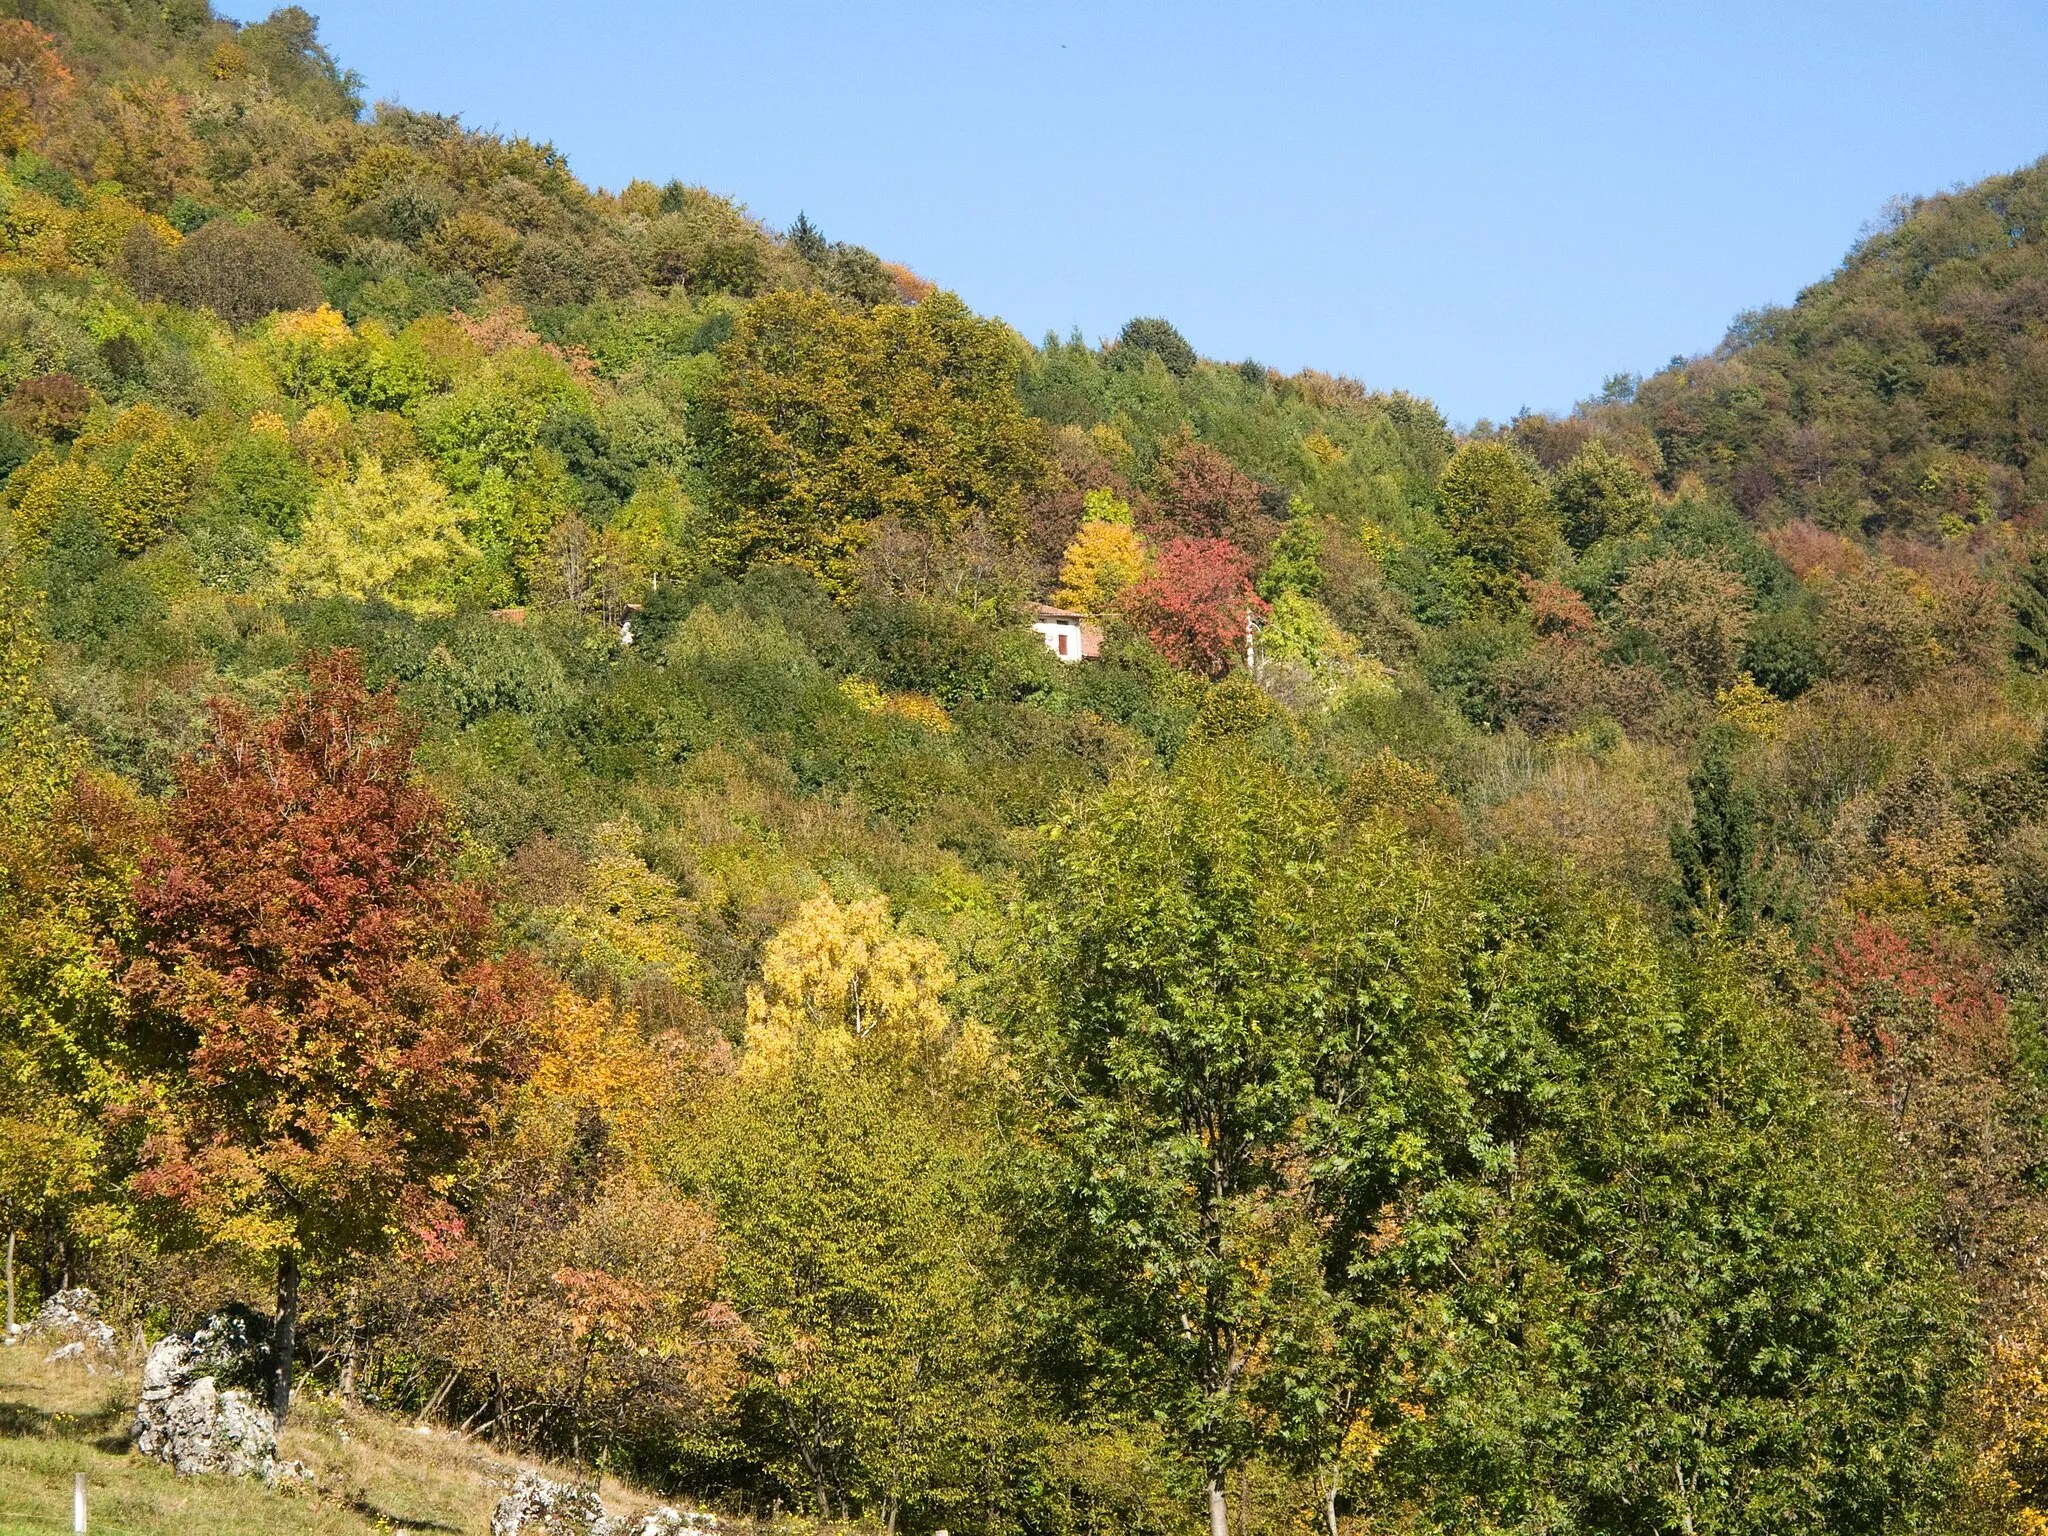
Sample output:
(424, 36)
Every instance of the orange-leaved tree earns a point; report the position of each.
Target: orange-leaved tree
(35, 85)
(330, 1022)
(1196, 604)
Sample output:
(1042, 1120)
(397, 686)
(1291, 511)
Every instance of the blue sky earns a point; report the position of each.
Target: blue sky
(1495, 205)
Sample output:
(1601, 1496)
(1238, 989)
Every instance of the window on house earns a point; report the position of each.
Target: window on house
(1063, 642)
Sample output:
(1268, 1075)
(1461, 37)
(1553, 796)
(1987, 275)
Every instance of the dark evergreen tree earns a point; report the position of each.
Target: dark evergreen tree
(1150, 334)
(2030, 614)
(1717, 851)
(805, 240)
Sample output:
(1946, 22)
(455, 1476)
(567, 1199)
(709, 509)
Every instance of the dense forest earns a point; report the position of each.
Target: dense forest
(542, 852)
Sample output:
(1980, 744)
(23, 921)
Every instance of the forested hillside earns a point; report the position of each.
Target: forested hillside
(541, 849)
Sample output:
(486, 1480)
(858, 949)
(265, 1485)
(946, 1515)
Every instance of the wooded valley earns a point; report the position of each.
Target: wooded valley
(1504, 989)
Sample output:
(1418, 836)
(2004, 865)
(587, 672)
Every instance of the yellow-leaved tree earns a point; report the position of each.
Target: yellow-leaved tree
(848, 1171)
(154, 489)
(1104, 558)
(621, 930)
(2009, 1479)
(392, 534)
(65, 859)
(1305, 656)
(841, 984)
(47, 494)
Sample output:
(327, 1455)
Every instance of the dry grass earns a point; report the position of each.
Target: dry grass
(371, 1475)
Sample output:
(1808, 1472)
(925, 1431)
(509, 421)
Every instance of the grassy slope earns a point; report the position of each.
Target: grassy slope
(372, 1475)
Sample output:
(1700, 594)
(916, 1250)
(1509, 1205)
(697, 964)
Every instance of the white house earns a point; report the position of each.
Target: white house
(1068, 635)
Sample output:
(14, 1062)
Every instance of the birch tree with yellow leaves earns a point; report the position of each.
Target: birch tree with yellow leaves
(847, 1172)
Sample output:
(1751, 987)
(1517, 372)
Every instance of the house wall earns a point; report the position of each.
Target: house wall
(1052, 632)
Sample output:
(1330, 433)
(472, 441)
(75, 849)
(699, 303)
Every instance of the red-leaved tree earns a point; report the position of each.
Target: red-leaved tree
(1194, 603)
(330, 1023)
(1924, 1032)
(1201, 494)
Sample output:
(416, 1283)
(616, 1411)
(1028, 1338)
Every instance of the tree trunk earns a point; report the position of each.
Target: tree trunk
(348, 1349)
(1330, 1506)
(1219, 1507)
(284, 1338)
(10, 1280)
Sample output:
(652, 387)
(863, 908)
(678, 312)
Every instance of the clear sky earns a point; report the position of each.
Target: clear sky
(1496, 205)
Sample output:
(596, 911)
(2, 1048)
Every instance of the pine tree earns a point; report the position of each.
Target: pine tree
(2030, 614)
(1716, 852)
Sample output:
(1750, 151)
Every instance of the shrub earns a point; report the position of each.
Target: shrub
(552, 272)
(52, 405)
(1696, 612)
(1782, 652)
(1876, 629)
(473, 243)
(241, 272)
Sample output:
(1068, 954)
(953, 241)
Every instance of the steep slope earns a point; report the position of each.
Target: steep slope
(1907, 392)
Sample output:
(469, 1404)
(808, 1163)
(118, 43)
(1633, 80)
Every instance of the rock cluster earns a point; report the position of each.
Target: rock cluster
(70, 1320)
(673, 1522)
(538, 1507)
(187, 1419)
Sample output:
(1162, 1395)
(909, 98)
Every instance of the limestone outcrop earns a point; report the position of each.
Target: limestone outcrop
(188, 1420)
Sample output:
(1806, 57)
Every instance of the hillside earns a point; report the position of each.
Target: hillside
(544, 854)
(1902, 394)
(372, 1474)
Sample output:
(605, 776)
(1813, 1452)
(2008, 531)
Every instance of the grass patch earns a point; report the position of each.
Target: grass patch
(371, 1475)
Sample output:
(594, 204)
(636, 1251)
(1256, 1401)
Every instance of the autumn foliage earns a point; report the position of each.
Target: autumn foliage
(34, 82)
(306, 953)
(1193, 604)
(1925, 1032)
(317, 990)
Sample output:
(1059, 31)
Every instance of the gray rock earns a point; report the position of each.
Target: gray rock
(71, 1320)
(670, 1522)
(186, 1420)
(537, 1506)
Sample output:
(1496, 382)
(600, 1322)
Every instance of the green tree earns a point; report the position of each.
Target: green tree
(1499, 517)
(851, 1225)
(1441, 1180)
(1718, 851)
(1601, 495)
(826, 419)
(2030, 614)
(1697, 1299)
(1150, 334)
(1296, 563)
(261, 479)
(1200, 960)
